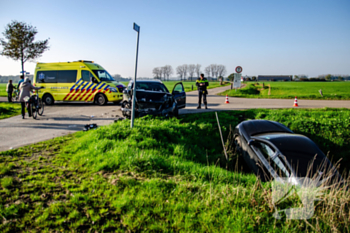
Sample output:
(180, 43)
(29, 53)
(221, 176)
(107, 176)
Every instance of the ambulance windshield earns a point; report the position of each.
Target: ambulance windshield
(103, 75)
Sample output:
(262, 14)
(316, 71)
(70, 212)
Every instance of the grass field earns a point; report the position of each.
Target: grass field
(169, 84)
(288, 90)
(9, 109)
(164, 175)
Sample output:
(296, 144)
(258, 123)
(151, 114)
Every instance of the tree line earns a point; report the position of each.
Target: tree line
(189, 71)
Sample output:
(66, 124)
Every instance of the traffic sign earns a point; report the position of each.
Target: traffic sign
(136, 27)
(237, 80)
(239, 69)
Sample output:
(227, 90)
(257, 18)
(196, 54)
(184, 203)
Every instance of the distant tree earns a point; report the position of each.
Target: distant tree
(19, 42)
(253, 78)
(214, 70)
(163, 72)
(191, 70)
(198, 70)
(221, 70)
(296, 77)
(207, 71)
(185, 70)
(179, 71)
(328, 77)
(168, 71)
(157, 73)
(231, 77)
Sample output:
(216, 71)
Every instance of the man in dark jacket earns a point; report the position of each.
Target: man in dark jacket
(9, 90)
(202, 84)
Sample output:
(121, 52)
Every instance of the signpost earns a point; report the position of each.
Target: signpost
(237, 81)
(237, 77)
(136, 28)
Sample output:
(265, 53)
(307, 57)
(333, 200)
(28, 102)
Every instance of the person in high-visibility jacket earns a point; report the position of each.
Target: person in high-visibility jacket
(202, 84)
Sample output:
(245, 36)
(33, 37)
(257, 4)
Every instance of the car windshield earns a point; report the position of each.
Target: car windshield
(150, 86)
(103, 75)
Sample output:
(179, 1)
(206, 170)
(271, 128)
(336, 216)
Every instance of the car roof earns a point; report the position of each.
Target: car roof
(151, 81)
(253, 127)
(289, 143)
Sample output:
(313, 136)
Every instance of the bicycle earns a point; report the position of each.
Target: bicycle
(37, 105)
(15, 95)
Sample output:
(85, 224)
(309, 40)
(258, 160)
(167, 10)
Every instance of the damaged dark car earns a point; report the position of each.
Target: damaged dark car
(273, 151)
(153, 98)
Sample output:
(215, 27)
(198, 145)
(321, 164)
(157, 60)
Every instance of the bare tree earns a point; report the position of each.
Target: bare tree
(179, 71)
(163, 71)
(221, 70)
(191, 70)
(185, 70)
(168, 71)
(207, 71)
(198, 70)
(156, 72)
(214, 70)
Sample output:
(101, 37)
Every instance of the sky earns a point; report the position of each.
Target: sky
(264, 37)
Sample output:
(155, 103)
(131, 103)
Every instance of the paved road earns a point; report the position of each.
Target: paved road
(217, 103)
(64, 118)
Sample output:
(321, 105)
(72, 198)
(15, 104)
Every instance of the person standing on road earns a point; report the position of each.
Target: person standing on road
(25, 88)
(202, 84)
(21, 80)
(9, 90)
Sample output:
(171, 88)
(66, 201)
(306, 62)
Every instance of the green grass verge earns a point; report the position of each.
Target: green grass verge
(3, 92)
(9, 110)
(163, 175)
(288, 90)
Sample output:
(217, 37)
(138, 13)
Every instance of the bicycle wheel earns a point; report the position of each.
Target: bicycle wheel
(34, 111)
(41, 107)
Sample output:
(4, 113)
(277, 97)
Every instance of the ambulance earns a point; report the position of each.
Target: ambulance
(76, 81)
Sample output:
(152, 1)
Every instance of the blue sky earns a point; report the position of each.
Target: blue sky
(309, 37)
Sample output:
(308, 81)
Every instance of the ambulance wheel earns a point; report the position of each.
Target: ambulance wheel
(100, 99)
(48, 99)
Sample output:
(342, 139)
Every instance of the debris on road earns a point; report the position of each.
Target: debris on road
(90, 126)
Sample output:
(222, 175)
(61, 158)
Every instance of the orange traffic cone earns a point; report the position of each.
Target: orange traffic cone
(226, 101)
(296, 102)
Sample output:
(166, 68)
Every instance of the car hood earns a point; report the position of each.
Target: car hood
(116, 84)
(152, 96)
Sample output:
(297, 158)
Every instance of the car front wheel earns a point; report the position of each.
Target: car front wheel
(100, 99)
(48, 99)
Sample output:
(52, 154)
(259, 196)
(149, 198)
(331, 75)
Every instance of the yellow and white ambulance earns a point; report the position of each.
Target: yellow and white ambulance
(76, 81)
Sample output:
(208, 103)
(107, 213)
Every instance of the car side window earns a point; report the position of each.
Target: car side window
(86, 75)
(179, 88)
(271, 157)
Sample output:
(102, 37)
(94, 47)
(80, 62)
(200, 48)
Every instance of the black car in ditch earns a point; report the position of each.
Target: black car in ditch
(153, 98)
(272, 151)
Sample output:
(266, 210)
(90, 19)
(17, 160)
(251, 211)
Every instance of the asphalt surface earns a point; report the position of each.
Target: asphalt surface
(64, 118)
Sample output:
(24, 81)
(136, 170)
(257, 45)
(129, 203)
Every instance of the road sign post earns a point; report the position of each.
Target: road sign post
(237, 77)
(136, 28)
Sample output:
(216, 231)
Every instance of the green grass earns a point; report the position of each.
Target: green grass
(288, 90)
(9, 109)
(163, 175)
(3, 92)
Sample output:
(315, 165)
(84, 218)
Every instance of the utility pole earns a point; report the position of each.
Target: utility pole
(136, 28)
